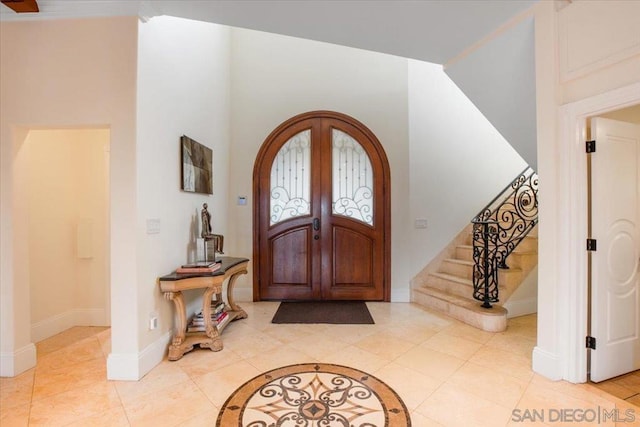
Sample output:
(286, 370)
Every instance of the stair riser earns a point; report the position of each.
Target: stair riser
(455, 269)
(509, 277)
(464, 253)
(486, 323)
(469, 239)
(507, 284)
(429, 302)
(452, 287)
(520, 259)
(523, 261)
(528, 244)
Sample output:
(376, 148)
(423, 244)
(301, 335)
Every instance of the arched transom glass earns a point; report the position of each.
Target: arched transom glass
(352, 179)
(291, 179)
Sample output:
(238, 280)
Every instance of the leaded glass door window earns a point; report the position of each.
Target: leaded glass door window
(291, 179)
(352, 179)
(321, 215)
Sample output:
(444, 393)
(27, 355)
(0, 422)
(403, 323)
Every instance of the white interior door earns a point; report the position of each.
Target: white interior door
(615, 265)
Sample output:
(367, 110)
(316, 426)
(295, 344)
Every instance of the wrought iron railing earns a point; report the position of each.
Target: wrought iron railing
(497, 231)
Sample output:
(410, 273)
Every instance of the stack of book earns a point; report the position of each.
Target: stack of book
(218, 317)
(199, 267)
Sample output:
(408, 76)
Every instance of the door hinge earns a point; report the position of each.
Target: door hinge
(591, 146)
(591, 244)
(591, 343)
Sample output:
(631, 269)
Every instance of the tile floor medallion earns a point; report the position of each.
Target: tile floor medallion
(314, 395)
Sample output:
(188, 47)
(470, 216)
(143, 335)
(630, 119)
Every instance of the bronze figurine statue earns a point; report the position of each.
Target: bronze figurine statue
(207, 235)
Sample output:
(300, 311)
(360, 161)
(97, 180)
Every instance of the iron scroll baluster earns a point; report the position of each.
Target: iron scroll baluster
(497, 231)
(485, 268)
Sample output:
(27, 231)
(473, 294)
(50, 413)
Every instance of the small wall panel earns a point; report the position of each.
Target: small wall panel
(596, 34)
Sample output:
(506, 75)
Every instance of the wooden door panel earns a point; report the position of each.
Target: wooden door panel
(352, 258)
(288, 267)
(290, 258)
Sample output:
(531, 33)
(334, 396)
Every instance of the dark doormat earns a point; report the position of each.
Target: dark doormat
(337, 312)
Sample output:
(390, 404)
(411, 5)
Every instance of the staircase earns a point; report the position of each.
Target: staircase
(446, 284)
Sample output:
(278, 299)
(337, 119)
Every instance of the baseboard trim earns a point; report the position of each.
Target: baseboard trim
(15, 363)
(134, 366)
(154, 353)
(243, 294)
(401, 295)
(52, 325)
(521, 307)
(546, 364)
(90, 317)
(61, 322)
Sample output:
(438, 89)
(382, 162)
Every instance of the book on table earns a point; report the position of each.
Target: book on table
(217, 310)
(205, 268)
(200, 264)
(197, 323)
(223, 320)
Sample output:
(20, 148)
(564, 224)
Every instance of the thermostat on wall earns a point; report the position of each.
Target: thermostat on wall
(242, 200)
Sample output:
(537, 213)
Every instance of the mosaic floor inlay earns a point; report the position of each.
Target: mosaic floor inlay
(314, 395)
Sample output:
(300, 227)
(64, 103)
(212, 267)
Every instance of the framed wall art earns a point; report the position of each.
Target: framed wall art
(197, 166)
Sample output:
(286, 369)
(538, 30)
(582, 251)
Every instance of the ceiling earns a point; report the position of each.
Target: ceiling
(429, 30)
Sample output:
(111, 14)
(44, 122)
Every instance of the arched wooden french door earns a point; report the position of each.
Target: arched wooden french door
(322, 212)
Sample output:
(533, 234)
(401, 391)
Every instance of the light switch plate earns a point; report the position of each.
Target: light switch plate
(153, 226)
(420, 223)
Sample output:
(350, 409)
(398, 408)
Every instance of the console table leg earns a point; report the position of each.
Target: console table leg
(206, 311)
(214, 342)
(176, 349)
(232, 282)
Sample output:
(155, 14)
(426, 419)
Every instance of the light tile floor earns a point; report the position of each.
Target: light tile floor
(447, 373)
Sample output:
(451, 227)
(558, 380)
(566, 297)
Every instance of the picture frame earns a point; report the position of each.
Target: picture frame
(197, 166)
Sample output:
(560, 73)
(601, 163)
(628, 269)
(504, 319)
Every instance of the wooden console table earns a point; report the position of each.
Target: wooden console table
(173, 284)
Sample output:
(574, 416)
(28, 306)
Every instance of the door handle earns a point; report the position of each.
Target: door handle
(316, 224)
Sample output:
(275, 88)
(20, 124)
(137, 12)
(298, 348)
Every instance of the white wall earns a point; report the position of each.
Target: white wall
(275, 78)
(68, 206)
(65, 73)
(458, 160)
(183, 88)
(499, 77)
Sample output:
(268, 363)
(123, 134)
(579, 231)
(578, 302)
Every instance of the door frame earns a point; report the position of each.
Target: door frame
(571, 303)
(386, 191)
